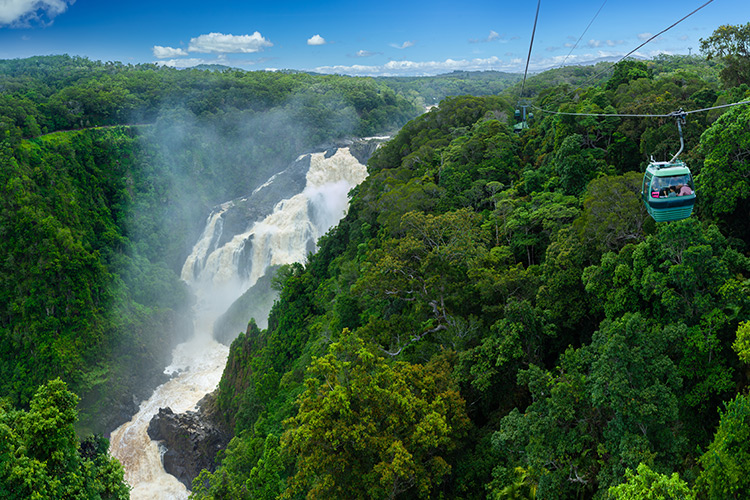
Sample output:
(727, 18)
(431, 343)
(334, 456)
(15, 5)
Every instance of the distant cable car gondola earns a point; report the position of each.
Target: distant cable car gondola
(522, 117)
(668, 191)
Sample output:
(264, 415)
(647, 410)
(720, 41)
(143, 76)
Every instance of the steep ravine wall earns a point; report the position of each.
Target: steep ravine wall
(242, 240)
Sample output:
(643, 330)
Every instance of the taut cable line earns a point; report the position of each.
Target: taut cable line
(626, 115)
(584, 32)
(647, 41)
(528, 59)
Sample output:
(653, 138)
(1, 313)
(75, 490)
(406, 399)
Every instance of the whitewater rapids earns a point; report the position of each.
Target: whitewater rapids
(215, 274)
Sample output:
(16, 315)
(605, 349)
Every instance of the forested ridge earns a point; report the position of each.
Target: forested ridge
(107, 172)
(496, 316)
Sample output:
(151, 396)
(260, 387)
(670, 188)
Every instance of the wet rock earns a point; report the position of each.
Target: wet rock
(191, 439)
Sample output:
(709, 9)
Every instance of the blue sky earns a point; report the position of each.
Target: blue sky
(357, 38)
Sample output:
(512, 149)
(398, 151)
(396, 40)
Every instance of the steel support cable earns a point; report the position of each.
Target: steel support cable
(597, 75)
(624, 115)
(717, 107)
(644, 43)
(584, 32)
(528, 59)
(597, 114)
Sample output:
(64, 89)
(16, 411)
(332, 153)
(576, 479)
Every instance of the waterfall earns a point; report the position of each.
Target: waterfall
(283, 237)
(222, 265)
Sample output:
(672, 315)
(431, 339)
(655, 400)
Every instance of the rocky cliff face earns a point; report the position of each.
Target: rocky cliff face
(192, 440)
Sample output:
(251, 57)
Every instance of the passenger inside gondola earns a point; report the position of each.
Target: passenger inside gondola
(667, 187)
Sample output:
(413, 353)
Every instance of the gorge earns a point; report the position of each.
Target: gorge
(279, 223)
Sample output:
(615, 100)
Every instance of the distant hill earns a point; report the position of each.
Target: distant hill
(213, 67)
(433, 89)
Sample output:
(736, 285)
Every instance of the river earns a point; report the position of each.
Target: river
(220, 269)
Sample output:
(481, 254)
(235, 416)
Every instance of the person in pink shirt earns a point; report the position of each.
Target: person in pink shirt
(684, 189)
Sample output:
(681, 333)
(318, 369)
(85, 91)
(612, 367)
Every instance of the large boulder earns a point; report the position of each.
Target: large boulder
(192, 440)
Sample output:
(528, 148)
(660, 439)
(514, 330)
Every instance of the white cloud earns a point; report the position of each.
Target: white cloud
(404, 45)
(512, 63)
(222, 59)
(424, 68)
(365, 53)
(316, 40)
(542, 64)
(648, 37)
(612, 53)
(184, 63)
(654, 53)
(494, 35)
(608, 43)
(164, 52)
(24, 12)
(219, 43)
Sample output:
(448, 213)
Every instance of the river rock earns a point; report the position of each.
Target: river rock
(192, 440)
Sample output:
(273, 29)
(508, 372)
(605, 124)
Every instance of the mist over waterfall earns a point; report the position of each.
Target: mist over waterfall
(226, 262)
(279, 223)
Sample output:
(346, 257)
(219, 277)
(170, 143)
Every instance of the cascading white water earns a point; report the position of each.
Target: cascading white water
(214, 274)
(284, 236)
(199, 363)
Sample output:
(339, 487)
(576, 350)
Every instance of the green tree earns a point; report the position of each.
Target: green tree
(606, 407)
(575, 166)
(727, 459)
(367, 429)
(723, 181)
(527, 224)
(40, 456)
(626, 71)
(264, 482)
(613, 213)
(423, 271)
(741, 345)
(684, 276)
(649, 485)
(731, 44)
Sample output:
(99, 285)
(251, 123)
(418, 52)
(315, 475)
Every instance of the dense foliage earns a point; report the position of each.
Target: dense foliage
(79, 300)
(40, 456)
(95, 223)
(430, 90)
(497, 316)
(591, 349)
(44, 94)
(731, 44)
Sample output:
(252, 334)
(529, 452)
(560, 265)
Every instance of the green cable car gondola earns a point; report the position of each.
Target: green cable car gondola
(668, 191)
(522, 118)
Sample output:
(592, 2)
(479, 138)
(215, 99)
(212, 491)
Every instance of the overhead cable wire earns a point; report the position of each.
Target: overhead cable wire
(528, 59)
(597, 75)
(584, 32)
(717, 107)
(624, 115)
(647, 41)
